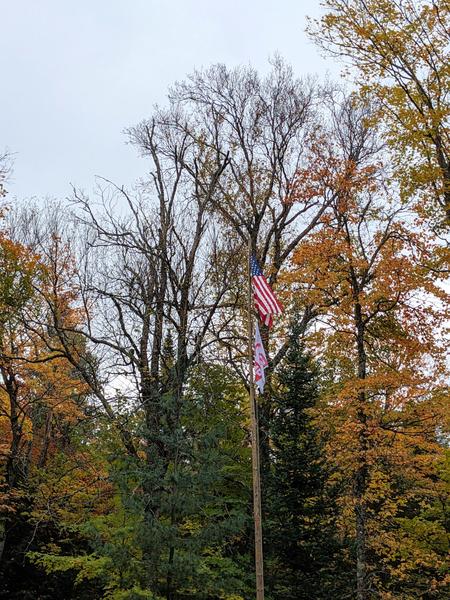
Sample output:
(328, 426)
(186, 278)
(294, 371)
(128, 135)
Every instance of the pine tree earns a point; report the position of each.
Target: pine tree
(302, 551)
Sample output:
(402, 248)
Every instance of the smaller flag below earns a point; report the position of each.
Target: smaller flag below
(259, 361)
(265, 300)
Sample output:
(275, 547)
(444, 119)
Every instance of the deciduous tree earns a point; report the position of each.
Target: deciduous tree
(367, 272)
(400, 50)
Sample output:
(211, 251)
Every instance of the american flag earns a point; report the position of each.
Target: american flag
(265, 300)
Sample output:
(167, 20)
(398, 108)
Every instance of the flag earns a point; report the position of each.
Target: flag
(265, 300)
(259, 361)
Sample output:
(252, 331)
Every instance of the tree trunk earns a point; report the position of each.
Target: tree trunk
(13, 472)
(361, 476)
(444, 165)
(2, 537)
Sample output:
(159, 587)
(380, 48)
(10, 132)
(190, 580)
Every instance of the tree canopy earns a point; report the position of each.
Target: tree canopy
(125, 451)
(400, 51)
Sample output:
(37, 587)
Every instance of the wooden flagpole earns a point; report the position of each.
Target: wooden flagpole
(259, 561)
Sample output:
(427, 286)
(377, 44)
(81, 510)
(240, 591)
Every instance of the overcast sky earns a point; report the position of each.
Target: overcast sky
(75, 73)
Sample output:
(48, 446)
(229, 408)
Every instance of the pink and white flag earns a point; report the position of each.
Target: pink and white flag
(259, 361)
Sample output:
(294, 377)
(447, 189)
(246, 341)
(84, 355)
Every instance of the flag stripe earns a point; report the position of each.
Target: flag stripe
(266, 318)
(264, 287)
(262, 302)
(265, 300)
(267, 295)
(262, 295)
(261, 292)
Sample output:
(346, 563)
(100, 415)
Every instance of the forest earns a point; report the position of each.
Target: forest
(125, 446)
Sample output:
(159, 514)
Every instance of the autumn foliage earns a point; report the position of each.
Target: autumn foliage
(125, 459)
(369, 271)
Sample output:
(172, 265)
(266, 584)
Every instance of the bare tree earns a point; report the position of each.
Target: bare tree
(260, 126)
(268, 129)
(5, 171)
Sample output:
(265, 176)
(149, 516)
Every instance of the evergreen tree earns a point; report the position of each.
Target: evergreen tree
(191, 545)
(304, 558)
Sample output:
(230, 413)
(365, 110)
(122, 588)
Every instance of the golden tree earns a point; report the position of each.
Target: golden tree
(370, 273)
(41, 394)
(400, 49)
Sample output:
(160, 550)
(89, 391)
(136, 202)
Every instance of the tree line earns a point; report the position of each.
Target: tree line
(125, 462)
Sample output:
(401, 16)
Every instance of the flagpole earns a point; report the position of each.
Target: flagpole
(259, 561)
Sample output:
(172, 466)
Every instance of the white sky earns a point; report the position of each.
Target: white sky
(75, 73)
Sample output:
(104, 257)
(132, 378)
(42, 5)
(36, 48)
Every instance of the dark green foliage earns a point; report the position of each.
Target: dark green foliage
(31, 530)
(176, 525)
(202, 492)
(303, 553)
